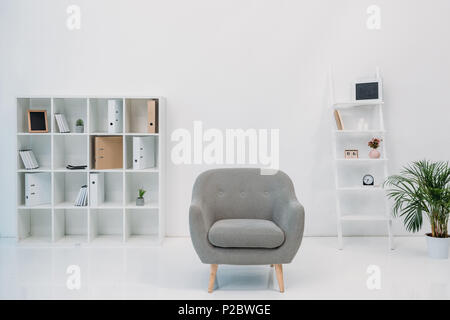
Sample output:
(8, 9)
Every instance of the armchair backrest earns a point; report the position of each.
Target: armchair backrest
(241, 193)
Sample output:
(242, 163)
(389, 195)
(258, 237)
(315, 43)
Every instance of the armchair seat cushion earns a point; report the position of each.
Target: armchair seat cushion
(245, 233)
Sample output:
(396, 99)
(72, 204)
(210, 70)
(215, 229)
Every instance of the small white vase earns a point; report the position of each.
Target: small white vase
(437, 247)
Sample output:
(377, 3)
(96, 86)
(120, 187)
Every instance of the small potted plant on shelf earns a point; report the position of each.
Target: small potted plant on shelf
(140, 199)
(374, 144)
(424, 188)
(79, 126)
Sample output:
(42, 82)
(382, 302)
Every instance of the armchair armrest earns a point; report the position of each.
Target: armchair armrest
(290, 217)
(199, 225)
(198, 222)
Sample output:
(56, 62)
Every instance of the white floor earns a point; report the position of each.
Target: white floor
(173, 271)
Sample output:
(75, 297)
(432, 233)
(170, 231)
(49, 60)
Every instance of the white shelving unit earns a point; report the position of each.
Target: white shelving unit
(355, 202)
(118, 220)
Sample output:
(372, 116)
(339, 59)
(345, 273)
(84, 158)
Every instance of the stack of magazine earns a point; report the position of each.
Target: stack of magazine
(81, 200)
(28, 159)
(62, 123)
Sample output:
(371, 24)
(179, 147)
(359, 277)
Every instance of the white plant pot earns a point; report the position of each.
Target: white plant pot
(140, 201)
(79, 129)
(437, 247)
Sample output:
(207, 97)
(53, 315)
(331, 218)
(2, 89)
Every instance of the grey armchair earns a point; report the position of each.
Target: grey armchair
(240, 217)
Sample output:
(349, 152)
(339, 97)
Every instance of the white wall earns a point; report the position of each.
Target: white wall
(237, 64)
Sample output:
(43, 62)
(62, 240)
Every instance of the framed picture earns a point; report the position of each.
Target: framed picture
(37, 121)
(367, 89)
(351, 154)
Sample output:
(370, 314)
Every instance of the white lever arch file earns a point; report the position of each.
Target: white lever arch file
(143, 152)
(96, 188)
(115, 116)
(37, 189)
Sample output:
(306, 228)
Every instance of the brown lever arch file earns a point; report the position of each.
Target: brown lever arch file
(152, 110)
(108, 152)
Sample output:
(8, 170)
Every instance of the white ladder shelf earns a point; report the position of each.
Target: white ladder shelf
(340, 138)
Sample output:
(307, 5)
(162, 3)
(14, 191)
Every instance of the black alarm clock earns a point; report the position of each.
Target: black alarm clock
(368, 180)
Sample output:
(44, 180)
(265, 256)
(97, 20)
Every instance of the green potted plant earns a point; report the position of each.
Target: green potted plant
(140, 201)
(424, 188)
(79, 126)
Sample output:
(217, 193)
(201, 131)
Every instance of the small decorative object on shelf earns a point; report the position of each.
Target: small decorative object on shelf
(79, 126)
(140, 199)
(423, 188)
(351, 154)
(374, 144)
(368, 180)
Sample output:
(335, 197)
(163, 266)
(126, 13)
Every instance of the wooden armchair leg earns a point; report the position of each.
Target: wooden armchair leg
(212, 277)
(279, 272)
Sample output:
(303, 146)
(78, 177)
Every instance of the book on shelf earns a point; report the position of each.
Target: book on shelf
(62, 123)
(65, 124)
(81, 200)
(58, 122)
(28, 159)
(77, 200)
(338, 118)
(85, 198)
(25, 160)
(33, 159)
